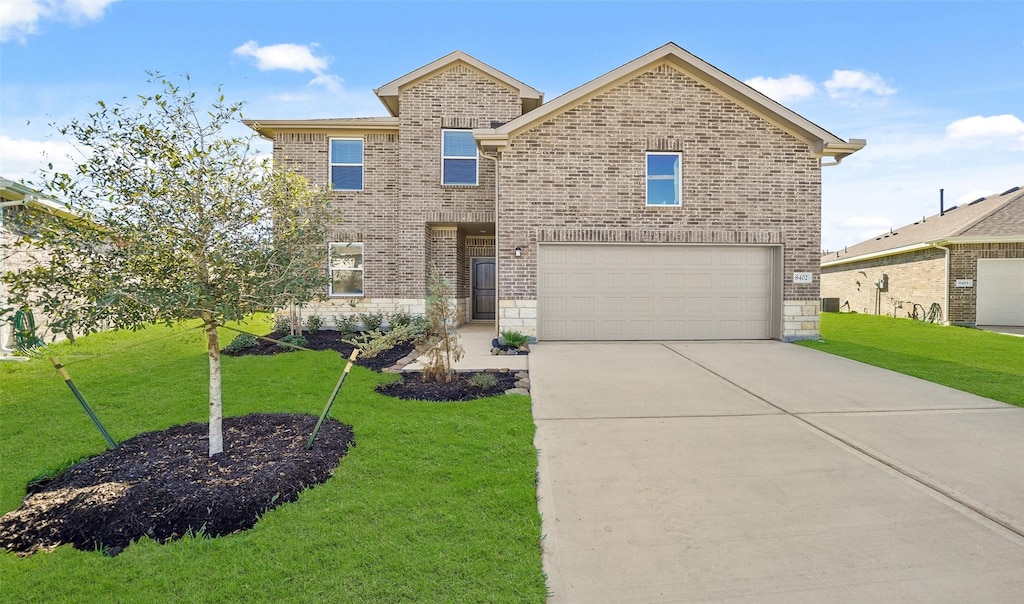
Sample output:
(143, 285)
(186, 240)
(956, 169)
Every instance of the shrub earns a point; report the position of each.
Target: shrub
(399, 319)
(373, 343)
(346, 324)
(242, 341)
(293, 339)
(514, 339)
(314, 323)
(482, 381)
(371, 320)
(282, 323)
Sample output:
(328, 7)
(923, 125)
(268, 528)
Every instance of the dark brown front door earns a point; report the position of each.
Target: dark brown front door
(483, 288)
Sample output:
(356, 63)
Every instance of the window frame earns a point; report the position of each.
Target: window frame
(678, 177)
(475, 158)
(361, 165)
(331, 270)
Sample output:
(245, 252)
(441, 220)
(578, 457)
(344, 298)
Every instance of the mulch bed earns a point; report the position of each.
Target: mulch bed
(413, 387)
(164, 485)
(327, 339)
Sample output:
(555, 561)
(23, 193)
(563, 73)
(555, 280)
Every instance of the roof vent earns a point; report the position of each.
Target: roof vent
(978, 200)
(951, 209)
(1008, 191)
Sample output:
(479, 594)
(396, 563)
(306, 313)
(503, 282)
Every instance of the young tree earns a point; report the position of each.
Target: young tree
(185, 222)
(440, 318)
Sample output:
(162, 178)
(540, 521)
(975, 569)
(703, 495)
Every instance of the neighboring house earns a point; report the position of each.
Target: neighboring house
(16, 198)
(968, 259)
(663, 200)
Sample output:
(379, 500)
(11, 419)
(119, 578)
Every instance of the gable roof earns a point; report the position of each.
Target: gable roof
(824, 142)
(992, 218)
(389, 93)
(16, 194)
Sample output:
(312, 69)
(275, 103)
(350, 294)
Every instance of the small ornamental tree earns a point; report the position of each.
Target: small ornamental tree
(184, 222)
(441, 316)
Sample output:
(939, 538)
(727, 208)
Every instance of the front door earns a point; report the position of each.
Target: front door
(483, 288)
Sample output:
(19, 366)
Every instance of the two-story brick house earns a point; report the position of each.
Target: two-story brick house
(663, 200)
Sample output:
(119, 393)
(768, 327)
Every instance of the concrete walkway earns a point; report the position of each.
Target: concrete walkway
(768, 472)
(475, 339)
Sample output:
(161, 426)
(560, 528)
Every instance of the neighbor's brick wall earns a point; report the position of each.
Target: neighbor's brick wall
(963, 264)
(914, 278)
(581, 177)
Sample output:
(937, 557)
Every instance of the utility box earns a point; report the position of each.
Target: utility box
(883, 283)
(830, 305)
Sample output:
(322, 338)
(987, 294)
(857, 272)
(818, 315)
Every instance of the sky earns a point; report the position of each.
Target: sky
(936, 88)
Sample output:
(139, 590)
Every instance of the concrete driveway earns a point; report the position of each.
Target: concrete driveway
(768, 472)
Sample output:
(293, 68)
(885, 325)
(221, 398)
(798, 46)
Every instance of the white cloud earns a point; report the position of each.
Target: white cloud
(20, 18)
(848, 84)
(21, 159)
(992, 127)
(785, 89)
(292, 57)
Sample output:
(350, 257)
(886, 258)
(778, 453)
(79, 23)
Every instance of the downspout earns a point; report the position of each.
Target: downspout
(945, 300)
(496, 158)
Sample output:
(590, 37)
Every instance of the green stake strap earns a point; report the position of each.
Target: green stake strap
(74, 390)
(330, 401)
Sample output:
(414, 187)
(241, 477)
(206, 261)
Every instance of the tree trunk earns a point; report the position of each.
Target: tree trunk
(213, 348)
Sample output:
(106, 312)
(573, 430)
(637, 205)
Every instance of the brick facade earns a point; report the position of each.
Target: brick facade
(915, 278)
(963, 264)
(744, 180)
(577, 175)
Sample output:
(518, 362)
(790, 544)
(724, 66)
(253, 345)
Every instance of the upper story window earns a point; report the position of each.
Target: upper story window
(458, 158)
(664, 179)
(346, 164)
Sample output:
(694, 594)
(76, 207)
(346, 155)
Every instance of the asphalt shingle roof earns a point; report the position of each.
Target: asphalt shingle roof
(992, 216)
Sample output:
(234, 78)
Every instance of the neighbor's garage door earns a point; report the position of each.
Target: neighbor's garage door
(1000, 291)
(655, 292)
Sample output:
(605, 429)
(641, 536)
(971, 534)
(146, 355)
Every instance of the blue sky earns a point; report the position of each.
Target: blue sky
(937, 88)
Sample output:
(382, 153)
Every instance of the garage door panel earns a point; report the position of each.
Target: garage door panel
(1000, 291)
(652, 292)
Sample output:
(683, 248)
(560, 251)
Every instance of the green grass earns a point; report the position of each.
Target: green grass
(981, 362)
(436, 503)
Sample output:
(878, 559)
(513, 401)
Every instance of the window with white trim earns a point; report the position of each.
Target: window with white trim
(664, 179)
(346, 164)
(458, 158)
(345, 261)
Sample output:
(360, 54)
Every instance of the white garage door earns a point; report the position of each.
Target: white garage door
(1001, 291)
(655, 292)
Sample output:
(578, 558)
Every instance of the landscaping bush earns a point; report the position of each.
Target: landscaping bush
(242, 341)
(371, 320)
(293, 339)
(514, 339)
(346, 324)
(314, 323)
(482, 381)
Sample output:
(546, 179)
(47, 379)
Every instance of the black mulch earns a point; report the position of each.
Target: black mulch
(164, 484)
(413, 387)
(329, 340)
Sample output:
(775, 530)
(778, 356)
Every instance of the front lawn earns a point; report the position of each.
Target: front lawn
(436, 503)
(983, 363)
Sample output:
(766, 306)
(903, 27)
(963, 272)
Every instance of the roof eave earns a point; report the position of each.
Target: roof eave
(822, 141)
(268, 128)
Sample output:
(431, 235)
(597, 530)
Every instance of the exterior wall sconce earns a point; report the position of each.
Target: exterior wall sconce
(519, 251)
